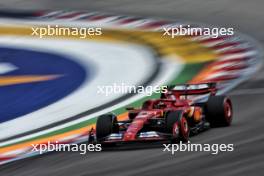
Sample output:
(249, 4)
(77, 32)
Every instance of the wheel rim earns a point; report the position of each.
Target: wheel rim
(176, 130)
(228, 111)
(184, 127)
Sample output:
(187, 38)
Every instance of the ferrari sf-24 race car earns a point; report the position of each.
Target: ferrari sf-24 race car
(182, 111)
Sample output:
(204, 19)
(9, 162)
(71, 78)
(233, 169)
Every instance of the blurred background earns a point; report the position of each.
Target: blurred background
(248, 99)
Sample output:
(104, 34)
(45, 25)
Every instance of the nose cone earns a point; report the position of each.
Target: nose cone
(129, 136)
(133, 129)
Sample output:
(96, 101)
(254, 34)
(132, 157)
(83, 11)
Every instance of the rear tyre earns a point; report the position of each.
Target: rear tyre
(219, 111)
(177, 124)
(105, 125)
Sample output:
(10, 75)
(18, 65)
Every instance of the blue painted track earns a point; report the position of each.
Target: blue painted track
(23, 98)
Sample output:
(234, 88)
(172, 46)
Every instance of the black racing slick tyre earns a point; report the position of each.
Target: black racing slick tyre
(177, 124)
(219, 111)
(105, 125)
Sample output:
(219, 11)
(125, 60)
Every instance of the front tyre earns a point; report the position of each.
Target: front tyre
(105, 125)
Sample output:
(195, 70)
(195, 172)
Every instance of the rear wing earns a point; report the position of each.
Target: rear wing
(190, 89)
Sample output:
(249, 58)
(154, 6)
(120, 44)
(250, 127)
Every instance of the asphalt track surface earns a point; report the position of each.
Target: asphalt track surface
(246, 133)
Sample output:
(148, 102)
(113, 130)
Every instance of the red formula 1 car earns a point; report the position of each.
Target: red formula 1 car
(182, 111)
